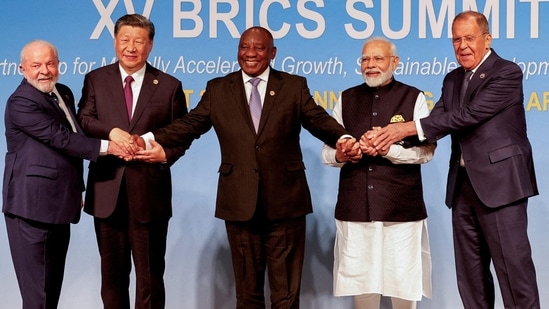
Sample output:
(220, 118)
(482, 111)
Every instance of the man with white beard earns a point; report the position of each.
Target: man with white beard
(381, 245)
(43, 175)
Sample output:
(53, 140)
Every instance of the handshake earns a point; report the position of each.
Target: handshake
(348, 149)
(132, 147)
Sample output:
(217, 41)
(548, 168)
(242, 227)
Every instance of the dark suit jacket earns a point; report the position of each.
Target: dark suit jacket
(270, 160)
(43, 174)
(490, 130)
(102, 108)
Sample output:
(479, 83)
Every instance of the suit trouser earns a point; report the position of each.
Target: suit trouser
(120, 238)
(499, 235)
(276, 246)
(39, 251)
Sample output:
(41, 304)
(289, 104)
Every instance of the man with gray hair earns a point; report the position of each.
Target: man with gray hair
(43, 175)
(381, 245)
(491, 171)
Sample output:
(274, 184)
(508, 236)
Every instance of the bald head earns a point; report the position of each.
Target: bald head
(255, 51)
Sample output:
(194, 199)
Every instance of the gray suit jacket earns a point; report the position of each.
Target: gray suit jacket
(270, 162)
(490, 132)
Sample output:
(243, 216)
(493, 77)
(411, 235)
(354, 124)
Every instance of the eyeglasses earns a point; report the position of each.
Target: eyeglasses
(467, 39)
(376, 59)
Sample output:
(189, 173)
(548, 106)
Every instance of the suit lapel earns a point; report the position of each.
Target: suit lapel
(72, 111)
(483, 72)
(114, 86)
(149, 87)
(457, 89)
(271, 92)
(238, 94)
(54, 106)
(57, 110)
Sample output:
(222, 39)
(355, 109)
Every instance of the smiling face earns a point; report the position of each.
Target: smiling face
(40, 65)
(378, 63)
(132, 46)
(471, 41)
(255, 51)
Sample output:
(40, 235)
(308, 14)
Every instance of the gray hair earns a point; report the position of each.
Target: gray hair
(382, 39)
(38, 42)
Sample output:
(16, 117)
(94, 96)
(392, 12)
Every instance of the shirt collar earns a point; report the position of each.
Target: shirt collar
(483, 59)
(137, 74)
(263, 76)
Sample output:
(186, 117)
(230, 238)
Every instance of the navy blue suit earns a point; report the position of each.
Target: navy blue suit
(42, 189)
(488, 193)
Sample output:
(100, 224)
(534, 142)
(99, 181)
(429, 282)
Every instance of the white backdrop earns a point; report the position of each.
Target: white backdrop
(319, 39)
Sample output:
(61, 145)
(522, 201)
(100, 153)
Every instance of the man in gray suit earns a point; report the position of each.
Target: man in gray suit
(491, 171)
(43, 175)
(262, 194)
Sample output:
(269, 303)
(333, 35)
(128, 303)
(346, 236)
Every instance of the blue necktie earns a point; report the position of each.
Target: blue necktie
(255, 102)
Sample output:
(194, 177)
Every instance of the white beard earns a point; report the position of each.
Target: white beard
(46, 88)
(377, 81)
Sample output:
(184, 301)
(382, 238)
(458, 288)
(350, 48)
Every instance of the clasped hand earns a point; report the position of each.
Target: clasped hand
(378, 140)
(347, 150)
(367, 143)
(130, 147)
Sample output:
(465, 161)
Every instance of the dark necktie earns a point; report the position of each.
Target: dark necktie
(255, 102)
(466, 79)
(65, 110)
(54, 97)
(128, 95)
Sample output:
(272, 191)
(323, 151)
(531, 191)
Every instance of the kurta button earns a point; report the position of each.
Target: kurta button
(370, 187)
(370, 169)
(376, 96)
(374, 114)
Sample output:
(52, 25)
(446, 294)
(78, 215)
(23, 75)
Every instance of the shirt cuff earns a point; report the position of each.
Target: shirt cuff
(104, 147)
(148, 137)
(346, 136)
(419, 130)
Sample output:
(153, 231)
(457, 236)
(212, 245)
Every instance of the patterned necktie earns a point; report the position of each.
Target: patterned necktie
(128, 95)
(464, 85)
(255, 102)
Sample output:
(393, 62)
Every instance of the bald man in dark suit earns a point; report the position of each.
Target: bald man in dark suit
(262, 194)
